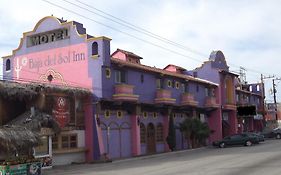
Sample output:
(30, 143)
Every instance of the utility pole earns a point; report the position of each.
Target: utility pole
(274, 96)
(242, 73)
(263, 94)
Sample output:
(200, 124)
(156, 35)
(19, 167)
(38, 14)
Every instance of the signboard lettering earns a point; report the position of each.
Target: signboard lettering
(47, 37)
(61, 111)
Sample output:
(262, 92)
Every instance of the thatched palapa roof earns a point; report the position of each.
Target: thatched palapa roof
(12, 90)
(17, 138)
(36, 121)
(23, 132)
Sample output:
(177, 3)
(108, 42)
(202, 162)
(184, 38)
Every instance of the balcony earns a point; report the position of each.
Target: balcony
(242, 102)
(210, 102)
(125, 92)
(164, 96)
(187, 99)
(229, 105)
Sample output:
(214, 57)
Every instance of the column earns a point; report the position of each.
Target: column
(215, 124)
(89, 126)
(233, 122)
(251, 124)
(135, 135)
(166, 130)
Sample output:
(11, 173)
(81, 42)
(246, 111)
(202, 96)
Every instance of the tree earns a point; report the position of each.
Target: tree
(195, 131)
(171, 138)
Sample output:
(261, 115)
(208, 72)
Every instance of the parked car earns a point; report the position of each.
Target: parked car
(258, 135)
(237, 139)
(273, 133)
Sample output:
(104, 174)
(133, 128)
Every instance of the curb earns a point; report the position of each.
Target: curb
(157, 155)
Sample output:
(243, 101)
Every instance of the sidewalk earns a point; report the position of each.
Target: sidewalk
(88, 167)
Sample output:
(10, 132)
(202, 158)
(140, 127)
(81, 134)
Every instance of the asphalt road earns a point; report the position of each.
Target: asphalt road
(261, 159)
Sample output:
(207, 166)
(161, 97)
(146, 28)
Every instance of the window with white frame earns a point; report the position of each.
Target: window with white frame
(120, 76)
(64, 141)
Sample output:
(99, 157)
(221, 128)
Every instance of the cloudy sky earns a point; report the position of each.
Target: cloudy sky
(247, 31)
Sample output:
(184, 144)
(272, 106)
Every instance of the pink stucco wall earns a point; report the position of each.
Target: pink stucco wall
(68, 66)
(136, 147)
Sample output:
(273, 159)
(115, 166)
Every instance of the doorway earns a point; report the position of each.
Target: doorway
(151, 142)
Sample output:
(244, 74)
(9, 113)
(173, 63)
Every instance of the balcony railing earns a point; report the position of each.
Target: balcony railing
(125, 92)
(187, 99)
(229, 105)
(243, 102)
(164, 96)
(210, 102)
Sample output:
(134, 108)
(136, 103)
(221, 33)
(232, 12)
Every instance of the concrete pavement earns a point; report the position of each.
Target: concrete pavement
(264, 158)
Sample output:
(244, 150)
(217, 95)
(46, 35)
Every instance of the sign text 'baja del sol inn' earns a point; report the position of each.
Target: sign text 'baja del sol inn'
(47, 37)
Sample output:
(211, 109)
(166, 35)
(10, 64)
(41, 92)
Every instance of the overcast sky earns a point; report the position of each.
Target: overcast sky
(247, 31)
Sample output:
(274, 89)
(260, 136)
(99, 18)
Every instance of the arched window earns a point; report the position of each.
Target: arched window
(8, 64)
(95, 48)
(159, 133)
(142, 133)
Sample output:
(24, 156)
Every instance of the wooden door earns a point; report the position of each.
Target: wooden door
(151, 142)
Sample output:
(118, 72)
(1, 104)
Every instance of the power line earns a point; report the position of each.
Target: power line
(140, 39)
(135, 27)
(132, 26)
(144, 31)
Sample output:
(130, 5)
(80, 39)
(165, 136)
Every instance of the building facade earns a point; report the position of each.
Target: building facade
(131, 104)
(234, 96)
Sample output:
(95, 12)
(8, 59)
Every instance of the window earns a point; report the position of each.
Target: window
(185, 88)
(159, 133)
(258, 88)
(174, 115)
(142, 133)
(66, 141)
(119, 114)
(107, 73)
(95, 48)
(55, 142)
(250, 88)
(8, 64)
(142, 78)
(69, 141)
(120, 76)
(202, 118)
(154, 114)
(169, 83)
(177, 85)
(106, 114)
(210, 92)
(207, 92)
(237, 98)
(159, 83)
(247, 99)
(197, 88)
(144, 114)
(182, 115)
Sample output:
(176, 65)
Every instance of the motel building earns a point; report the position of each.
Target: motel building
(128, 111)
